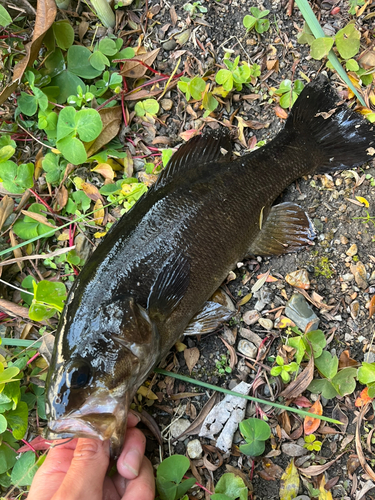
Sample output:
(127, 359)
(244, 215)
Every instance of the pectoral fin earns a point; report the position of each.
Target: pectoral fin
(208, 319)
(169, 288)
(286, 229)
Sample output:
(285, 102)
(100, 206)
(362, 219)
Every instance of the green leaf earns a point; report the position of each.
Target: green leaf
(17, 420)
(3, 424)
(99, 61)
(197, 86)
(66, 122)
(67, 82)
(366, 373)
(16, 179)
(255, 432)
(108, 47)
(371, 390)
(52, 293)
(72, 149)
(317, 340)
(231, 485)
(150, 106)
(324, 387)
(249, 22)
(183, 487)
(28, 226)
(345, 381)
(327, 364)
(306, 35)
(24, 470)
(8, 458)
(79, 63)
(5, 18)
(348, 41)
(8, 374)
(173, 468)
(352, 65)
(27, 104)
(88, 124)
(64, 34)
(224, 77)
(320, 47)
(166, 155)
(262, 25)
(298, 343)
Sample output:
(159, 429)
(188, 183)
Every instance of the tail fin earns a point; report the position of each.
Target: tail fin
(344, 138)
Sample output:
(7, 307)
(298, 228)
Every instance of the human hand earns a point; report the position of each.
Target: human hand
(77, 471)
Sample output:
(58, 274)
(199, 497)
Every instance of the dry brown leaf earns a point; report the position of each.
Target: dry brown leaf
(232, 354)
(133, 69)
(105, 170)
(6, 208)
(91, 191)
(111, 119)
(195, 426)
(46, 348)
(183, 395)
(142, 94)
(150, 422)
(358, 444)
(39, 218)
(372, 307)
(14, 309)
(45, 16)
(209, 465)
(345, 360)
(300, 384)
(62, 196)
(315, 470)
(191, 357)
(17, 251)
(293, 450)
(60, 251)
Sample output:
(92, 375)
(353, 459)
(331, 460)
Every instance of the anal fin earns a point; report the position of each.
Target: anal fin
(208, 319)
(286, 229)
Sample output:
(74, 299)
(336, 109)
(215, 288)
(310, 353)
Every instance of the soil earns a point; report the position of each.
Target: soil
(331, 203)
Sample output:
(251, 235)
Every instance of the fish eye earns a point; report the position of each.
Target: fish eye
(79, 376)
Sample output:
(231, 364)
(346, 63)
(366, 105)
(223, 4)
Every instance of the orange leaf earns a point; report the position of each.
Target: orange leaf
(311, 424)
(269, 278)
(372, 307)
(363, 398)
(281, 113)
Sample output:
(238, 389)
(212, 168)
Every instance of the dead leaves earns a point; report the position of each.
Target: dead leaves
(191, 357)
(111, 119)
(134, 69)
(312, 424)
(6, 208)
(45, 16)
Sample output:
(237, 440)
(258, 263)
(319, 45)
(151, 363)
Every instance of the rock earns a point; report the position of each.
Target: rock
(178, 427)
(348, 337)
(354, 309)
(298, 310)
(194, 449)
(352, 250)
(299, 279)
(169, 45)
(369, 357)
(166, 104)
(229, 336)
(264, 297)
(266, 323)
(344, 240)
(347, 277)
(360, 275)
(251, 317)
(249, 335)
(247, 348)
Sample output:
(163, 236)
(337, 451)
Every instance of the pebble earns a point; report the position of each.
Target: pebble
(170, 45)
(166, 104)
(348, 337)
(369, 357)
(347, 277)
(229, 336)
(298, 310)
(249, 335)
(247, 348)
(266, 323)
(360, 274)
(299, 279)
(178, 427)
(194, 449)
(344, 240)
(352, 250)
(251, 317)
(354, 309)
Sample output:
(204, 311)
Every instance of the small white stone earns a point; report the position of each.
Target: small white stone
(348, 337)
(247, 348)
(194, 449)
(265, 323)
(179, 426)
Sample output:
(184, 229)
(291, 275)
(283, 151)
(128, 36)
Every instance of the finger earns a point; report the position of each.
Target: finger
(130, 460)
(133, 419)
(85, 477)
(143, 486)
(50, 475)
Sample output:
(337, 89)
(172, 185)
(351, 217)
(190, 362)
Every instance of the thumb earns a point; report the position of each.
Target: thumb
(85, 477)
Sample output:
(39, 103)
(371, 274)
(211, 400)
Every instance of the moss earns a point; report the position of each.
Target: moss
(355, 258)
(323, 268)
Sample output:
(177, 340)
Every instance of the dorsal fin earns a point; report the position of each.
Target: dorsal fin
(210, 146)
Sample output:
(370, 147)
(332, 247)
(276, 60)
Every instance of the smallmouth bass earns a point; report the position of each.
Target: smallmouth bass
(150, 280)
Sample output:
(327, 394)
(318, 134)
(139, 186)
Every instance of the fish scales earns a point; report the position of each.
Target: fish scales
(160, 264)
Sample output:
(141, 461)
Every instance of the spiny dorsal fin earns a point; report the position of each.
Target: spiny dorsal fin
(210, 146)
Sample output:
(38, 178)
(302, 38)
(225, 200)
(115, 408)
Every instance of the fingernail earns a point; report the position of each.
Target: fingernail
(136, 415)
(132, 461)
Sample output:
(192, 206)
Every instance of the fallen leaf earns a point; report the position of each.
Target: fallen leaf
(99, 212)
(323, 493)
(371, 308)
(300, 384)
(46, 348)
(146, 393)
(363, 398)
(339, 415)
(311, 424)
(284, 322)
(293, 450)
(45, 16)
(358, 443)
(298, 279)
(316, 470)
(185, 136)
(269, 278)
(289, 483)
(17, 252)
(111, 119)
(39, 218)
(91, 191)
(133, 69)
(14, 309)
(195, 426)
(270, 471)
(280, 112)
(363, 200)
(345, 360)
(6, 208)
(62, 196)
(191, 357)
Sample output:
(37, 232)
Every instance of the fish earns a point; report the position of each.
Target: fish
(150, 281)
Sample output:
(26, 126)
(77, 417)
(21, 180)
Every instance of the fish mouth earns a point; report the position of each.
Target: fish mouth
(100, 417)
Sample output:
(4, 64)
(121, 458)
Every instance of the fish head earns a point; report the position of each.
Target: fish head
(99, 361)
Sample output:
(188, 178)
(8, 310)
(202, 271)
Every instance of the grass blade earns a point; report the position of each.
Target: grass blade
(318, 32)
(303, 413)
